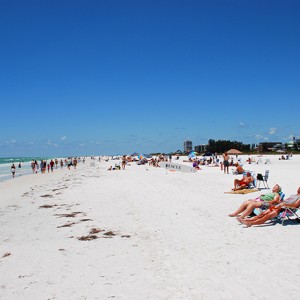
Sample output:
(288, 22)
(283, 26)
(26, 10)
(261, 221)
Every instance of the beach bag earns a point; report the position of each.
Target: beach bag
(259, 177)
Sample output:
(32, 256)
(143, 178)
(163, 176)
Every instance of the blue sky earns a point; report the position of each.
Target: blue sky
(117, 77)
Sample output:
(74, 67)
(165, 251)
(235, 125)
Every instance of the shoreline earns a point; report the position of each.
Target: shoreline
(146, 234)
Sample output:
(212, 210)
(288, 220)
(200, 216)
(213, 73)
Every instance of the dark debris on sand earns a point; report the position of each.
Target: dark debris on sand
(95, 230)
(71, 215)
(47, 206)
(6, 254)
(67, 225)
(88, 237)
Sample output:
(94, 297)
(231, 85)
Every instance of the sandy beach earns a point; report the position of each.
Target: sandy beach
(143, 233)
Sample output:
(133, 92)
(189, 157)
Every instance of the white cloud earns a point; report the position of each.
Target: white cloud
(242, 124)
(13, 141)
(63, 138)
(272, 130)
(81, 145)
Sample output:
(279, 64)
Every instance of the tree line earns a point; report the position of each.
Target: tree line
(221, 146)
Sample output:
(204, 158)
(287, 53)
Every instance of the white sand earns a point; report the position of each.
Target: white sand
(174, 239)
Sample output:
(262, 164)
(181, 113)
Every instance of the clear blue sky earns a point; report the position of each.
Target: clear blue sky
(117, 77)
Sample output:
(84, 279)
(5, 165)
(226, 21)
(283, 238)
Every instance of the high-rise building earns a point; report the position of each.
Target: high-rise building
(187, 146)
(200, 148)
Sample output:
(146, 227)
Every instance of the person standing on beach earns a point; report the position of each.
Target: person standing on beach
(226, 162)
(36, 167)
(75, 162)
(51, 165)
(32, 165)
(123, 162)
(13, 170)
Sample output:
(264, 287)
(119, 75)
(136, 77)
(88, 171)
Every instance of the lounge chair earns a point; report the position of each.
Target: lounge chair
(259, 210)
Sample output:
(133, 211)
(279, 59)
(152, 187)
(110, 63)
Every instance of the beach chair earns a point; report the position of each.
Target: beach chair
(259, 210)
(268, 162)
(287, 213)
(252, 185)
(264, 179)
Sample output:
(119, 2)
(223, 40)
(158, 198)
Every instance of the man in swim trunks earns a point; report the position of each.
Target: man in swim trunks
(243, 183)
(226, 162)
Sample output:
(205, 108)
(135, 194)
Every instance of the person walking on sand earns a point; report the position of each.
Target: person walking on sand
(51, 165)
(123, 162)
(226, 162)
(13, 170)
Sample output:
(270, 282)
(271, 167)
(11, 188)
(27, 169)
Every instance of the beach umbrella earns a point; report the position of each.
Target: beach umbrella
(143, 155)
(234, 151)
(192, 154)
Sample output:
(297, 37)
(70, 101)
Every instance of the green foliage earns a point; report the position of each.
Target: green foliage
(221, 146)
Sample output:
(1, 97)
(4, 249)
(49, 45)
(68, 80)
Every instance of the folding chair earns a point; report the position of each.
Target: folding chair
(264, 179)
(288, 213)
(268, 162)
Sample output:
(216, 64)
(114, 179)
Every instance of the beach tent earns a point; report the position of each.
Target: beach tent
(234, 151)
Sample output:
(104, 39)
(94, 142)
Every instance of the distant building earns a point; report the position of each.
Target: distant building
(269, 146)
(294, 144)
(187, 146)
(200, 148)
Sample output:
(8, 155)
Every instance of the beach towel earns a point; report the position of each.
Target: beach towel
(244, 191)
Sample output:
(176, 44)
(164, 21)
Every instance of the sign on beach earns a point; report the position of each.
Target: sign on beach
(177, 167)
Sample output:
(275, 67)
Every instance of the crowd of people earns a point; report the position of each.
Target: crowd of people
(44, 166)
(270, 204)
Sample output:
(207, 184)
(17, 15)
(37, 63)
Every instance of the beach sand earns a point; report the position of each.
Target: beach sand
(143, 233)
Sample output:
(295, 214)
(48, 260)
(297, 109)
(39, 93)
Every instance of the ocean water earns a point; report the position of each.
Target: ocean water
(16, 160)
(6, 162)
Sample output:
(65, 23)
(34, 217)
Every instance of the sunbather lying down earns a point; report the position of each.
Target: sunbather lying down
(243, 183)
(267, 199)
(292, 201)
